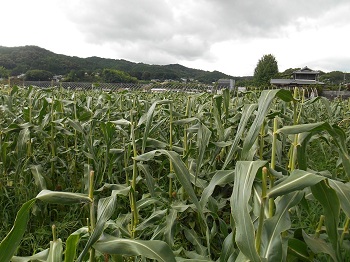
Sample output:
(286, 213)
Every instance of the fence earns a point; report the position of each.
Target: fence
(156, 87)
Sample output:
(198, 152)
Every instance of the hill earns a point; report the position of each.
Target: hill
(18, 60)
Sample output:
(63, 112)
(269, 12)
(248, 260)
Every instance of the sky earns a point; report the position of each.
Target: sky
(229, 36)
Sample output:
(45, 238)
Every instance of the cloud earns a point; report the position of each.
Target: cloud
(187, 29)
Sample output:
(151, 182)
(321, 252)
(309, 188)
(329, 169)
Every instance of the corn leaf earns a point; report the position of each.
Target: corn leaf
(106, 207)
(65, 198)
(37, 171)
(153, 249)
(297, 180)
(318, 245)
(247, 112)
(330, 202)
(227, 249)
(343, 192)
(271, 244)
(41, 257)
(221, 177)
(245, 173)
(56, 251)
(195, 240)
(298, 248)
(264, 103)
(169, 231)
(9, 244)
(151, 220)
(72, 244)
(203, 138)
(181, 172)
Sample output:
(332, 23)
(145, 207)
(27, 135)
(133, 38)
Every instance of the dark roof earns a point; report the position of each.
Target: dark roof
(306, 70)
(295, 82)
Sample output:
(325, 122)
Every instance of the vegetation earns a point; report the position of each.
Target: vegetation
(136, 176)
(38, 75)
(4, 73)
(335, 79)
(266, 69)
(116, 76)
(18, 60)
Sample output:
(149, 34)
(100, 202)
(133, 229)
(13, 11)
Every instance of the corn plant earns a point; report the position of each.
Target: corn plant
(124, 176)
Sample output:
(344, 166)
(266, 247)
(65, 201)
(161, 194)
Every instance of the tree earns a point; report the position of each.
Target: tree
(38, 75)
(116, 76)
(266, 69)
(334, 77)
(4, 73)
(146, 75)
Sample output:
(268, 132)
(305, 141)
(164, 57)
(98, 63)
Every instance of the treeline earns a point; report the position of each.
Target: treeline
(21, 60)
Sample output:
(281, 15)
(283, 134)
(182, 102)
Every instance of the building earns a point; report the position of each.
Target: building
(226, 83)
(302, 77)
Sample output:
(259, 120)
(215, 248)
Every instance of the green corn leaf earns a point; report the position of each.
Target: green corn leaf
(184, 121)
(148, 117)
(23, 138)
(192, 260)
(39, 257)
(203, 138)
(264, 103)
(318, 245)
(226, 101)
(242, 258)
(72, 244)
(193, 256)
(169, 231)
(271, 244)
(195, 240)
(245, 173)
(343, 192)
(153, 249)
(217, 102)
(76, 125)
(149, 178)
(56, 251)
(121, 122)
(151, 220)
(221, 177)
(329, 200)
(298, 248)
(180, 167)
(64, 198)
(227, 249)
(247, 112)
(105, 209)
(17, 127)
(37, 171)
(181, 172)
(297, 180)
(116, 189)
(9, 244)
(338, 135)
(154, 143)
(146, 202)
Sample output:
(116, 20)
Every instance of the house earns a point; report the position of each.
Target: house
(57, 78)
(226, 83)
(302, 77)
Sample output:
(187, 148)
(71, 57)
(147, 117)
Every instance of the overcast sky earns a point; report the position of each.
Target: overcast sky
(225, 35)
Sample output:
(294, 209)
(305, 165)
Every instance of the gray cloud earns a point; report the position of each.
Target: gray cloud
(186, 29)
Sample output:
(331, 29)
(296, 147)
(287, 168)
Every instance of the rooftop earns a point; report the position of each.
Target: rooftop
(306, 70)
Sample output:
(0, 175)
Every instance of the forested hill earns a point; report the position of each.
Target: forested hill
(18, 60)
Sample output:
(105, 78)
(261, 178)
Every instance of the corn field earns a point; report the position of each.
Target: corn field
(172, 176)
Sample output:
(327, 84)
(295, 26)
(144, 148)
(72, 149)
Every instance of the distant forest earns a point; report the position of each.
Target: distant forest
(33, 63)
(20, 60)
